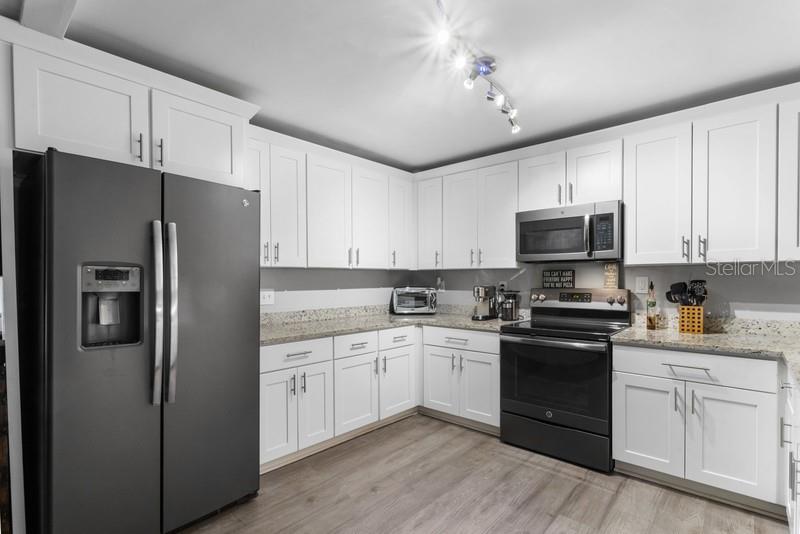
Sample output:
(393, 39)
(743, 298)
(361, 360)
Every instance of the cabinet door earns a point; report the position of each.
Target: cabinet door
(479, 386)
(356, 392)
(658, 196)
(440, 379)
(732, 439)
(256, 176)
(314, 403)
(278, 427)
(370, 219)
(287, 206)
(541, 181)
(397, 380)
(734, 186)
(196, 140)
(329, 213)
(429, 206)
(497, 209)
(648, 422)
(594, 173)
(79, 110)
(402, 226)
(789, 181)
(460, 220)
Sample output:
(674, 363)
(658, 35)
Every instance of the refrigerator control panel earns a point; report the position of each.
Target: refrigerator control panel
(103, 279)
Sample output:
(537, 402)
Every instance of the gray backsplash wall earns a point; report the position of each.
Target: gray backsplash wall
(314, 279)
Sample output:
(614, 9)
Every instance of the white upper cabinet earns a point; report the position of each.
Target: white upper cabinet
(541, 181)
(329, 213)
(789, 182)
(195, 140)
(402, 224)
(497, 208)
(287, 194)
(658, 196)
(734, 186)
(460, 220)
(256, 176)
(429, 210)
(79, 110)
(370, 219)
(594, 173)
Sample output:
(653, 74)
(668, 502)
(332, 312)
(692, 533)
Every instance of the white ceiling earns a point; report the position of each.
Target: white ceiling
(366, 76)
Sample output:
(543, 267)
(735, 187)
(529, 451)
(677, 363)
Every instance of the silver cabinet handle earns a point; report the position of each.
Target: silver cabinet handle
(472, 256)
(172, 243)
(480, 256)
(702, 247)
(570, 192)
(303, 354)
(586, 242)
(354, 346)
(559, 194)
(161, 151)
(350, 257)
(785, 441)
(376, 366)
(452, 362)
(693, 397)
(394, 258)
(158, 339)
(303, 382)
(676, 399)
(793, 475)
(358, 257)
(436, 258)
(140, 141)
(384, 365)
(462, 340)
(706, 370)
(277, 251)
(266, 252)
(461, 362)
(396, 339)
(293, 385)
(685, 248)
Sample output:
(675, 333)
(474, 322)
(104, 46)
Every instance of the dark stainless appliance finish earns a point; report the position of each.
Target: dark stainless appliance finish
(139, 400)
(571, 233)
(555, 374)
(413, 301)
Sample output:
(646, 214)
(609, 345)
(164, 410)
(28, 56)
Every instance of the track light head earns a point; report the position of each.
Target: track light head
(512, 112)
(500, 100)
(515, 128)
(469, 83)
(491, 95)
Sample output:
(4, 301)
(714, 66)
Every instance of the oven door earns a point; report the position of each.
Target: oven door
(411, 301)
(557, 234)
(560, 381)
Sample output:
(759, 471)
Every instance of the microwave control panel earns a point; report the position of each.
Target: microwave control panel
(604, 231)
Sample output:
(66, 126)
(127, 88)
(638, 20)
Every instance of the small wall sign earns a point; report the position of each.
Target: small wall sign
(557, 279)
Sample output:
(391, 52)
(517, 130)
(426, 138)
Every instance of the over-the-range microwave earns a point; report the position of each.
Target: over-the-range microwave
(571, 233)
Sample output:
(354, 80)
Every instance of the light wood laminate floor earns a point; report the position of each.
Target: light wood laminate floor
(424, 475)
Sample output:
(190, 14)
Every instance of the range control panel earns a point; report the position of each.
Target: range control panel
(581, 298)
(574, 297)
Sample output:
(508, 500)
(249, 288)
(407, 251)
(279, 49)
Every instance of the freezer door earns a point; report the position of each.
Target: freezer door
(211, 363)
(99, 453)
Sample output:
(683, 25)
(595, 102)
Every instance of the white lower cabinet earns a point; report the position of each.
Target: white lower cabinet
(648, 424)
(731, 440)
(296, 409)
(462, 383)
(397, 380)
(356, 392)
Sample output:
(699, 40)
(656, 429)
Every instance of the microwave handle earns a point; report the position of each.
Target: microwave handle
(586, 241)
(432, 301)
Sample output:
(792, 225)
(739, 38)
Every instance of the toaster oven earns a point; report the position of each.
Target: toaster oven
(413, 300)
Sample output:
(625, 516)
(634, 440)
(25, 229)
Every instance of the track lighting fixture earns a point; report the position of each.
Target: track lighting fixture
(465, 57)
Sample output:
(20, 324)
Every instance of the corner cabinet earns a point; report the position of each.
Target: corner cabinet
(61, 104)
(402, 224)
(192, 139)
(658, 196)
(789, 181)
(429, 227)
(734, 190)
(329, 211)
(459, 220)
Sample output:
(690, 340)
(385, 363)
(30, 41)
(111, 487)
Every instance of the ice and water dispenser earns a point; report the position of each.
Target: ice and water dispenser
(111, 305)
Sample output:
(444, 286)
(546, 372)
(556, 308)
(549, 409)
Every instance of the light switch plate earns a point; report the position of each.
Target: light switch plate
(267, 297)
(642, 284)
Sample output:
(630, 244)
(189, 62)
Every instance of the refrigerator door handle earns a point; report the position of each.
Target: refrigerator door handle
(158, 338)
(172, 243)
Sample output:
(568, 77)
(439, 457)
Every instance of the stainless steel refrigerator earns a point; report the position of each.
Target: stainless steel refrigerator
(139, 334)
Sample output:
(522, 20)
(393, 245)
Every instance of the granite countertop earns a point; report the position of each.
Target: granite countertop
(274, 334)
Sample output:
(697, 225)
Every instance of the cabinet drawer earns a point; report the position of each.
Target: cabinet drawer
(461, 339)
(274, 357)
(397, 337)
(353, 344)
(744, 373)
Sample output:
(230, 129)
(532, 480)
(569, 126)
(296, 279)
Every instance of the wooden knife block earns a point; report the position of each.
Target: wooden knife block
(690, 319)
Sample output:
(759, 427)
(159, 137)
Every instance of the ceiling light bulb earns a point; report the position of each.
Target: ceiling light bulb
(515, 128)
(468, 83)
(443, 36)
(512, 113)
(460, 61)
(500, 100)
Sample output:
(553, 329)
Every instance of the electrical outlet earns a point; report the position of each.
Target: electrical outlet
(267, 297)
(642, 284)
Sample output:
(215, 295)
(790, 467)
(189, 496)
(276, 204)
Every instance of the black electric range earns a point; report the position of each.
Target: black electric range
(555, 374)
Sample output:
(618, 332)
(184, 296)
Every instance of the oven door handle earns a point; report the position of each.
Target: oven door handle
(585, 346)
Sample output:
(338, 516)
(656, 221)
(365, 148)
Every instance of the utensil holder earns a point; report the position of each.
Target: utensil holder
(690, 319)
